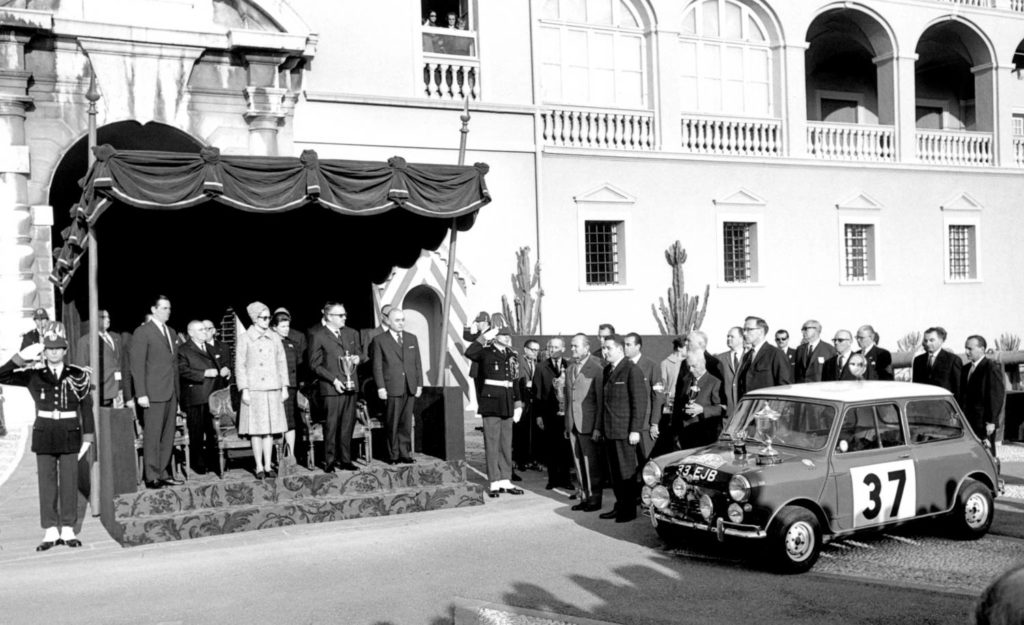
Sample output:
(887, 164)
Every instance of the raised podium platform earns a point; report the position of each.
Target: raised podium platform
(208, 506)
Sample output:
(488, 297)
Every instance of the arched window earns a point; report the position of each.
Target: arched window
(727, 66)
(592, 52)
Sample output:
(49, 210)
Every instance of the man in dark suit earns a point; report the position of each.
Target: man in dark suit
(526, 436)
(111, 379)
(838, 367)
(937, 366)
(334, 352)
(699, 405)
(398, 372)
(782, 342)
(549, 404)
(763, 365)
(199, 372)
(604, 330)
(619, 424)
(584, 400)
(729, 362)
(812, 354)
(221, 353)
(154, 367)
(652, 379)
(879, 360)
(40, 317)
(982, 391)
(481, 324)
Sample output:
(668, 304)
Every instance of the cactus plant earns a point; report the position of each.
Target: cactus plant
(679, 315)
(1007, 342)
(910, 342)
(523, 315)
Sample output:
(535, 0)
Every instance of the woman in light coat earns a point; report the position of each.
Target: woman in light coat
(261, 372)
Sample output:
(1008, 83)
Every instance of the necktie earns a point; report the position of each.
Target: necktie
(735, 362)
(970, 371)
(167, 335)
(931, 360)
(106, 339)
(400, 339)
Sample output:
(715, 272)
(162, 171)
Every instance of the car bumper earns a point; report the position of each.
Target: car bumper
(718, 526)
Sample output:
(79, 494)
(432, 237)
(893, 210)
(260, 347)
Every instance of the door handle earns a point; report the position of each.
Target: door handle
(902, 456)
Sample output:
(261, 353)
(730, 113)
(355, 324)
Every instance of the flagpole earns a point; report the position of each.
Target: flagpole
(442, 358)
(92, 95)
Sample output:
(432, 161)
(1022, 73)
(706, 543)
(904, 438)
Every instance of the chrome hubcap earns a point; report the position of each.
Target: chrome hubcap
(976, 511)
(799, 541)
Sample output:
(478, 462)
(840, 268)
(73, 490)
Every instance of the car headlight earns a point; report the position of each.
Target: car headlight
(739, 488)
(652, 474)
(735, 512)
(679, 487)
(659, 497)
(707, 507)
(645, 496)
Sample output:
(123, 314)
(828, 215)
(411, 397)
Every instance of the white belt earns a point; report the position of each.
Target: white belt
(58, 414)
(503, 383)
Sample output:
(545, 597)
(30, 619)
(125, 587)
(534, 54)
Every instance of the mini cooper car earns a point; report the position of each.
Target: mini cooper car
(798, 465)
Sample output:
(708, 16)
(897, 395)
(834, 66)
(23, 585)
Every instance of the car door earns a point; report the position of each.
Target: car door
(873, 472)
(940, 448)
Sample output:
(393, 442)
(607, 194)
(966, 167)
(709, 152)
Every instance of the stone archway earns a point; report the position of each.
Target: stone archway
(422, 307)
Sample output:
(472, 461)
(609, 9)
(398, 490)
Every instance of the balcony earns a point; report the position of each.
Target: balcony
(451, 69)
(851, 142)
(954, 148)
(607, 129)
(979, 4)
(1018, 151)
(731, 136)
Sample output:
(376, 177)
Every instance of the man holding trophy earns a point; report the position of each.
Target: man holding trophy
(333, 355)
(699, 404)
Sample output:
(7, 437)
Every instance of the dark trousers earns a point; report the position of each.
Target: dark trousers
(558, 453)
(202, 439)
(526, 439)
(398, 425)
(622, 462)
(158, 423)
(587, 456)
(668, 439)
(498, 447)
(338, 428)
(58, 489)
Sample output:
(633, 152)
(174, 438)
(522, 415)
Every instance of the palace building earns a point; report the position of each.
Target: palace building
(854, 161)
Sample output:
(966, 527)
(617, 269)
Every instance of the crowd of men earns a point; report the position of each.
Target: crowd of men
(605, 411)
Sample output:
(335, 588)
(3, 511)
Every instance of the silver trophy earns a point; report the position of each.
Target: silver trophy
(767, 420)
(348, 369)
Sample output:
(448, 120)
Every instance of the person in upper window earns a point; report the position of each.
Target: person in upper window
(431, 19)
(453, 20)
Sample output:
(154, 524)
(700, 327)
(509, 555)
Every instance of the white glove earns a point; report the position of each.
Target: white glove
(85, 448)
(31, 352)
(517, 414)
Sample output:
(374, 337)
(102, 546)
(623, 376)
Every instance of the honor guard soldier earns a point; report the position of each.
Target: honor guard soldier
(61, 434)
(500, 404)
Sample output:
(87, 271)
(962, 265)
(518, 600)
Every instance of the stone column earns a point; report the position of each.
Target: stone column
(791, 93)
(665, 99)
(20, 292)
(993, 110)
(265, 102)
(906, 109)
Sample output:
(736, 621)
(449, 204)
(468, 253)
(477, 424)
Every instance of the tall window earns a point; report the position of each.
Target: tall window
(592, 52)
(727, 64)
(603, 247)
(1018, 125)
(859, 245)
(739, 247)
(963, 260)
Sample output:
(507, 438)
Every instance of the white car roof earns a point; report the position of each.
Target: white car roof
(851, 391)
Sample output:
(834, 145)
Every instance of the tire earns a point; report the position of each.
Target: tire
(794, 540)
(972, 514)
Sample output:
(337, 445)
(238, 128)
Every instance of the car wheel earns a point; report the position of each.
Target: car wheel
(794, 540)
(972, 515)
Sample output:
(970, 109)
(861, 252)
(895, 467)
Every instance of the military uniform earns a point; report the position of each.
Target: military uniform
(64, 420)
(499, 398)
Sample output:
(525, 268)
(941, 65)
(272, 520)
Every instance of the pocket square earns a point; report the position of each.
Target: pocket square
(821, 360)
(618, 383)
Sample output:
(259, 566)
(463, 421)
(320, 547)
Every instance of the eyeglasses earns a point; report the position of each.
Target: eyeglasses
(337, 314)
(806, 328)
(782, 340)
(751, 329)
(263, 317)
(864, 338)
(840, 340)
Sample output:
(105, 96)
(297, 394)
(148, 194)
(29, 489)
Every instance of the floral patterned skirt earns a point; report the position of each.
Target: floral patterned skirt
(264, 414)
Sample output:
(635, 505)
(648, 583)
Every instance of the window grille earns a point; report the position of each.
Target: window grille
(602, 248)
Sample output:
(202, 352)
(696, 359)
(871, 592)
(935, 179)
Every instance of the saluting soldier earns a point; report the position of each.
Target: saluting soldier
(500, 404)
(62, 433)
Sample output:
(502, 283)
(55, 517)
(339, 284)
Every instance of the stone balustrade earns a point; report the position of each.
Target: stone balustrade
(580, 127)
(954, 147)
(451, 78)
(851, 142)
(731, 136)
(1018, 151)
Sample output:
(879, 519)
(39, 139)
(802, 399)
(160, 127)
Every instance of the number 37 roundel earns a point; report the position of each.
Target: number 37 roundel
(883, 492)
